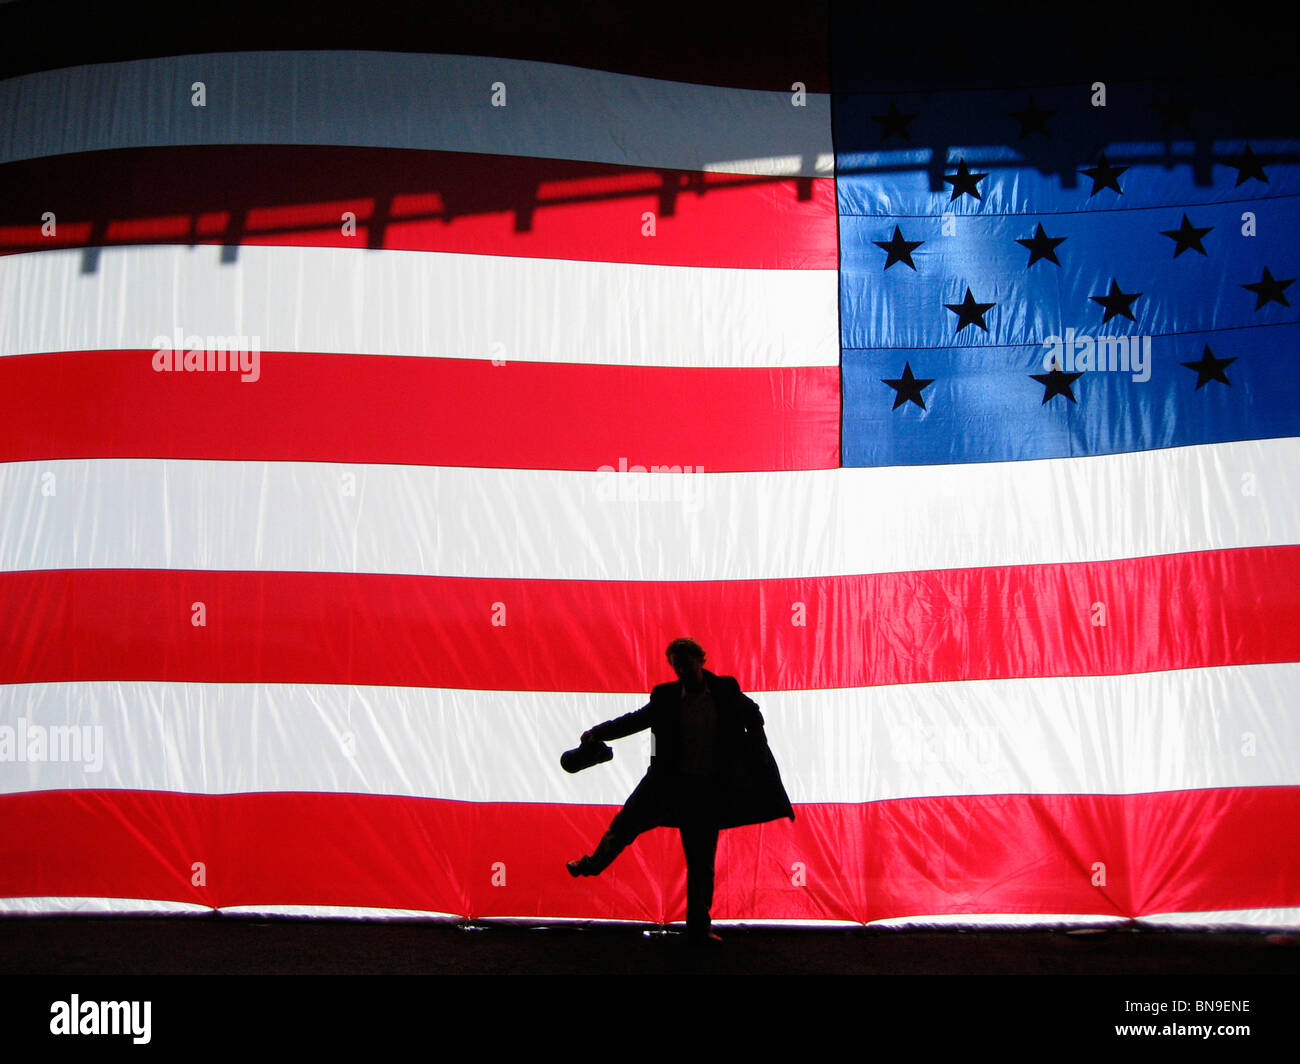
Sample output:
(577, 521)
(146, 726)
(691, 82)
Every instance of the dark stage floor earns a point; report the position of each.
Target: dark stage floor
(241, 945)
(1116, 980)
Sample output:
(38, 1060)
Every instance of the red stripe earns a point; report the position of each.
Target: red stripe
(1178, 611)
(1180, 851)
(420, 411)
(419, 201)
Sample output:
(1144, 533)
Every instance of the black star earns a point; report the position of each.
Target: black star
(1173, 112)
(1210, 368)
(969, 312)
(900, 250)
(1104, 175)
(1033, 119)
(1188, 237)
(1042, 246)
(1248, 167)
(964, 181)
(893, 121)
(908, 387)
(1116, 302)
(1268, 289)
(1057, 383)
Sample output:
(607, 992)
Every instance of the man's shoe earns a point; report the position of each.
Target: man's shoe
(580, 867)
(711, 939)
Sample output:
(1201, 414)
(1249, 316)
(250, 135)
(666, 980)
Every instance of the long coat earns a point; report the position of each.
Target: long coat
(748, 788)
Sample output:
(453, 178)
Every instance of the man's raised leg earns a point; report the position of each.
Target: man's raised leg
(639, 815)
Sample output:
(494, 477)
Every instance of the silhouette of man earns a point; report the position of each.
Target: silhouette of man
(710, 768)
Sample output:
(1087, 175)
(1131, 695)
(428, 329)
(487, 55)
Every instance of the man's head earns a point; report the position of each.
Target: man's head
(686, 656)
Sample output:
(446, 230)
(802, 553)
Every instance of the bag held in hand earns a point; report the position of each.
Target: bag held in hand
(586, 755)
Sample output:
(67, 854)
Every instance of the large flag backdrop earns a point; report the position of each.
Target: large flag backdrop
(309, 636)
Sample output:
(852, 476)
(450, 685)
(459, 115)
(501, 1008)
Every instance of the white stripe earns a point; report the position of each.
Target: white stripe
(401, 100)
(991, 920)
(439, 304)
(142, 513)
(349, 912)
(1282, 918)
(1220, 918)
(71, 906)
(1166, 731)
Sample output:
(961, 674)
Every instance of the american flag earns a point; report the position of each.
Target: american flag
(374, 420)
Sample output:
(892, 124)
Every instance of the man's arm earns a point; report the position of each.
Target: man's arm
(750, 714)
(628, 724)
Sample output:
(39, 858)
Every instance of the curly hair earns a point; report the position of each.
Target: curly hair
(689, 645)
